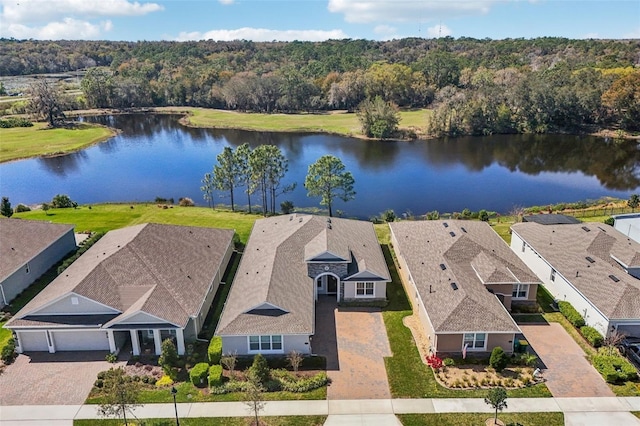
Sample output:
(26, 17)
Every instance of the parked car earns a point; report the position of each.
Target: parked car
(630, 347)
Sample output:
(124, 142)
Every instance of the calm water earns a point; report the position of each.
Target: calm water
(156, 156)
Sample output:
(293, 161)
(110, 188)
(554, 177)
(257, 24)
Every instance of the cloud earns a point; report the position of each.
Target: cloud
(226, 2)
(69, 19)
(384, 29)
(263, 34)
(439, 30)
(632, 34)
(361, 11)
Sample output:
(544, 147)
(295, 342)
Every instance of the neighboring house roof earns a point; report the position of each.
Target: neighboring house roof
(450, 261)
(22, 240)
(272, 292)
(162, 270)
(567, 247)
(551, 219)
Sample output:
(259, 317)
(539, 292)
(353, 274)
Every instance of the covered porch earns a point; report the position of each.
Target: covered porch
(145, 339)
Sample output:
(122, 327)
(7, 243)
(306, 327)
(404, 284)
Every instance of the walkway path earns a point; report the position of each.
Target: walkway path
(578, 411)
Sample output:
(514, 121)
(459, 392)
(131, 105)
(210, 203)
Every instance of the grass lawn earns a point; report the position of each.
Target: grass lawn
(24, 142)
(105, 217)
(465, 419)
(636, 413)
(331, 122)
(408, 376)
(215, 421)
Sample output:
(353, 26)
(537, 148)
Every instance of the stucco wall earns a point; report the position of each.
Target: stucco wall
(19, 280)
(379, 291)
(505, 341)
(629, 226)
(240, 345)
(452, 343)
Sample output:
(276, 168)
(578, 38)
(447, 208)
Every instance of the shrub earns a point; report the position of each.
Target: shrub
(214, 352)
(571, 314)
(8, 353)
(614, 368)
(10, 122)
(305, 384)
(62, 201)
(98, 383)
(609, 221)
(498, 359)
(164, 381)
(186, 202)
(483, 215)
(259, 370)
(215, 375)
(169, 357)
(434, 362)
(592, 335)
(448, 362)
(111, 357)
(198, 374)
(20, 208)
(287, 207)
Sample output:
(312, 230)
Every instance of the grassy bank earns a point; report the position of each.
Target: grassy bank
(25, 142)
(215, 421)
(465, 419)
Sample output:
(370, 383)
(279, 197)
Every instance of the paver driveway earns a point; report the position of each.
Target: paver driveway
(355, 342)
(41, 378)
(568, 372)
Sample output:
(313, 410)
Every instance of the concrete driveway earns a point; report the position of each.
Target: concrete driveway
(566, 368)
(41, 378)
(354, 340)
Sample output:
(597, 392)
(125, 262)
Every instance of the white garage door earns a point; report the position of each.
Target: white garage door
(629, 330)
(33, 341)
(81, 340)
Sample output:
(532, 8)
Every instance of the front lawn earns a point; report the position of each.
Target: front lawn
(466, 419)
(215, 421)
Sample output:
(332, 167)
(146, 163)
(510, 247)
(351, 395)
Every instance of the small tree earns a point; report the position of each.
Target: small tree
(498, 359)
(254, 399)
(286, 207)
(207, 189)
(295, 360)
(62, 201)
(44, 102)
(45, 208)
(379, 119)
(483, 215)
(327, 178)
(229, 362)
(120, 394)
(497, 399)
(634, 202)
(259, 370)
(169, 357)
(5, 207)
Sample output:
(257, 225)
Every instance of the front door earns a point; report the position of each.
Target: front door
(332, 284)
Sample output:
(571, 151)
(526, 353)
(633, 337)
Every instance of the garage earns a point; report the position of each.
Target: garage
(629, 329)
(81, 340)
(33, 341)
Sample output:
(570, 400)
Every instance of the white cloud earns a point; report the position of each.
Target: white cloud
(439, 30)
(632, 34)
(361, 11)
(263, 34)
(226, 2)
(68, 28)
(384, 29)
(591, 35)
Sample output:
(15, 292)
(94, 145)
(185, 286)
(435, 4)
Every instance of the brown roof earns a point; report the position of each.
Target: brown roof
(22, 240)
(273, 271)
(163, 270)
(472, 255)
(566, 248)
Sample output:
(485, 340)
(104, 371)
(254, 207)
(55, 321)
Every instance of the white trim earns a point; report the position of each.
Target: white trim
(471, 347)
(364, 295)
(4, 299)
(265, 351)
(119, 319)
(266, 303)
(354, 277)
(70, 294)
(518, 290)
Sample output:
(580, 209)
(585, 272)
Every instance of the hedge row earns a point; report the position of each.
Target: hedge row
(614, 369)
(571, 314)
(215, 375)
(306, 384)
(592, 335)
(85, 246)
(9, 351)
(198, 373)
(10, 122)
(214, 352)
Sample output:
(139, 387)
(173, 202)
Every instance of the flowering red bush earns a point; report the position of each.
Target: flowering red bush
(434, 362)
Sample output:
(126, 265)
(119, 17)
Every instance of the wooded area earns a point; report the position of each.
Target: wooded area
(474, 86)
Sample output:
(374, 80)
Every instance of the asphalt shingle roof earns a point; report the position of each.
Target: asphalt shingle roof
(472, 254)
(566, 248)
(273, 271)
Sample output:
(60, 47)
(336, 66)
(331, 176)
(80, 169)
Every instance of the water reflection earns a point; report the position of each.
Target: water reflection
(64, 165)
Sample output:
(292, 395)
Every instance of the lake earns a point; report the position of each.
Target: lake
(156, 156)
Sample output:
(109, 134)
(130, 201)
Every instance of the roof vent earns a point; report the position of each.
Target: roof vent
(463, 230)
(454, 286)
(300, 220)
(590, 259)
(602, 229)
(329, 225)
(614, 278)
(328, 220)
(445, 224)
(442, 266)
(290, 217)
(453, 234)
(585, 229)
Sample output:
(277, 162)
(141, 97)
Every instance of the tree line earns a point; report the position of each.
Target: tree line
(261, 170)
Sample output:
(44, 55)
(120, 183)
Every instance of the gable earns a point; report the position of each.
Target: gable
(140, 318)
(74, 304)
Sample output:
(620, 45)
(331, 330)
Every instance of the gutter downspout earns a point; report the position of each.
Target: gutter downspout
(4, 299)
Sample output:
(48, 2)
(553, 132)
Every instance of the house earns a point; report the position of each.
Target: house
(288, 263)
(592, 266)
(136, 286)
(28, 248)
(462, 280)
(629, 225)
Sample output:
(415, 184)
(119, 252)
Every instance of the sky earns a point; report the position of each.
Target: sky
(316, 20)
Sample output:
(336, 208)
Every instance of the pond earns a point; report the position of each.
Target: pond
(156, 156)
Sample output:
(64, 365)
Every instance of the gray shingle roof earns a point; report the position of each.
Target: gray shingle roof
(566, 247)
(474, 253)
(273, 271)
(21, 240)
(164, 270)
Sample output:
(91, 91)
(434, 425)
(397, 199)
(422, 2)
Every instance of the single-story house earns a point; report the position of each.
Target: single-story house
(28, 248)
(136, 286)
(289, 262)
(462, 280)
(592, 266)
(629, 225)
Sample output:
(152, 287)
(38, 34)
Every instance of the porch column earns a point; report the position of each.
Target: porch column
(180, 340)
(18, 343)
(135, 342)
(156, 341)
(112, 342)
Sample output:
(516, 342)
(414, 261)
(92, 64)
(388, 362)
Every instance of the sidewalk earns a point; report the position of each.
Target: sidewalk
(578, 411)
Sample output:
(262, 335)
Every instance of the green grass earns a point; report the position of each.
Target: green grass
(408, 376)
(25, 142)
(341, 123)
(214, 421)
(466, 419)
(636, 413)
(105, 217)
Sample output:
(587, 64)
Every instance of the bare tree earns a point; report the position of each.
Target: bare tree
(516, 213)
(254, 399)
(295, 359)
(120, 395)
(44, 102)
(229, 362)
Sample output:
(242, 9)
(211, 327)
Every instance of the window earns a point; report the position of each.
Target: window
(265, 343)
(74, 301)
(475, 341)
(553, 274)
(364, 289)
(520, 291)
